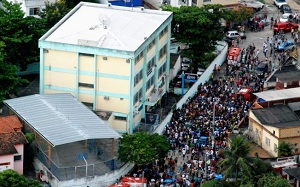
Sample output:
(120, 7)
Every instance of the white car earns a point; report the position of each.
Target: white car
(285, 17)
(235, 34)
(279, 3)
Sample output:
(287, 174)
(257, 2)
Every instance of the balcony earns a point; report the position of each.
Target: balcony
(154, 96)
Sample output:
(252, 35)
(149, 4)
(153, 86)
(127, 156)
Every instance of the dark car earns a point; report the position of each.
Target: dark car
(228, 41)
(261, 69)
(285, 9)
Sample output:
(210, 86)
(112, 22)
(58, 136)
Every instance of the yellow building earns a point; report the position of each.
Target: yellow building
(275, 119)
(227, 3)
(113, 59)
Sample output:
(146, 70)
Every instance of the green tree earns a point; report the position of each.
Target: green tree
(20, 35)
(237, 163)
(271, 180)
(9, 81)
(199, 28)
(10, 178)
(142, 148)
(241, 14)
(284, 149)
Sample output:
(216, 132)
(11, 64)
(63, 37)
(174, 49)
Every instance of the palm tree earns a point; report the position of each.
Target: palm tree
(237, 162)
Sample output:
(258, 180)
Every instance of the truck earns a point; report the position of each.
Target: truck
(255, 5)
(245, 94)
(234, 54)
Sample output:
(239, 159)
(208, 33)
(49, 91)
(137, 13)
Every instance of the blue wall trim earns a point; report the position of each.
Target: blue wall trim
(91, 92)
(106, 75)
(41, 71)
(120, 114)
(85, 49)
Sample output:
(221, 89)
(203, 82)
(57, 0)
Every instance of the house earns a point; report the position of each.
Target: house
(12, 142)
(32, 7)
(115, 60)
(71, 142)
(275, 118)
(293, 176)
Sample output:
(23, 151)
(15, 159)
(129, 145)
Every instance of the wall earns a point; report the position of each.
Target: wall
(18, 165)
(222, 2)
(204, 77)
(290, 132)
(269, 148)
(175, 69)
(5, 159)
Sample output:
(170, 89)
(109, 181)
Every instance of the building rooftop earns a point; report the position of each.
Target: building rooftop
(294, 172)
(107, 26)
(9, 124)
(60, 118)
(274, 95)
(280, 116)
(8, 140)
(288, 74)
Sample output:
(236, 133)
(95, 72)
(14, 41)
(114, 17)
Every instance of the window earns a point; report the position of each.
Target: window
(151, 45)
(275, 147)
(163, 32)
(162, 51)
(206, 1)
(34, 11)
(150, 82)
(138, 96)
(162, 69)
(88, 104)
(138, 58)
(138, 77)
(267, 141)
(120, 118)
(86, 54)
(17, 157)
(86, 85)
(150, 64)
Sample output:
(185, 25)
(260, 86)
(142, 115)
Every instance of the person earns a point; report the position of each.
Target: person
(271, 24)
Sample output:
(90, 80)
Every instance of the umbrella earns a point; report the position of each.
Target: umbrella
(168, 180)
(219, 176)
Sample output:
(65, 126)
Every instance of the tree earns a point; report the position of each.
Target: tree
(199, 28)
(237, 163)
(20, 35)
(241, 14)
(270, 180)
(142, 148)
(9, 81)
(284, 149)
(10, 178)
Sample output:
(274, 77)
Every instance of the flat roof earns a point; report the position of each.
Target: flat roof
(274, 95)
(107, 26)
(60, 118)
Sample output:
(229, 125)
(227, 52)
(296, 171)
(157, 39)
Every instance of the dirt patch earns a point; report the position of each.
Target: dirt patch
(260, 151)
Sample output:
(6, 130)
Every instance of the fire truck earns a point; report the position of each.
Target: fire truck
(234, 54)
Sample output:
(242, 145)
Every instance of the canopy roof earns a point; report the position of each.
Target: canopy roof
(60, 118)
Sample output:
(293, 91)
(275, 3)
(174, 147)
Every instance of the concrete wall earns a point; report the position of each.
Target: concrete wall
(204, 77)
(175, 69)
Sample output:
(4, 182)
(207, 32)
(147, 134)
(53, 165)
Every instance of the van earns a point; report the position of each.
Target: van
(285, 27)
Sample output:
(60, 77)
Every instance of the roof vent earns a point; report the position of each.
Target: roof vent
(109, 4)
(142, 8)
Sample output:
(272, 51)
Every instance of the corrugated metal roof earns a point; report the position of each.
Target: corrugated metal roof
(61, 118)
(279, 94)
(110, 27)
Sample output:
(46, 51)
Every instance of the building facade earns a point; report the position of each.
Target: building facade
(32, 7)
(113, 59)
(12, 142)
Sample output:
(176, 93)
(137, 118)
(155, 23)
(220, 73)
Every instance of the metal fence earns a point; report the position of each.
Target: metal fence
(79, 159)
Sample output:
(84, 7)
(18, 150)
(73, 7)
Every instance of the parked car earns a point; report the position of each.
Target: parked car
(285, 27)
(235, 34)
(256, 5)
(261, 69)
(285, 9)
(279, 3)
(286, 17)
(284, 45)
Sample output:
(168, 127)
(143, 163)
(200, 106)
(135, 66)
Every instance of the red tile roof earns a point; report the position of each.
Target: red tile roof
(9, 124)
(9, 140)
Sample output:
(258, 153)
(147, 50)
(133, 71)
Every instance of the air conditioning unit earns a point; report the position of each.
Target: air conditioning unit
(106, 97)
(136, 112)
